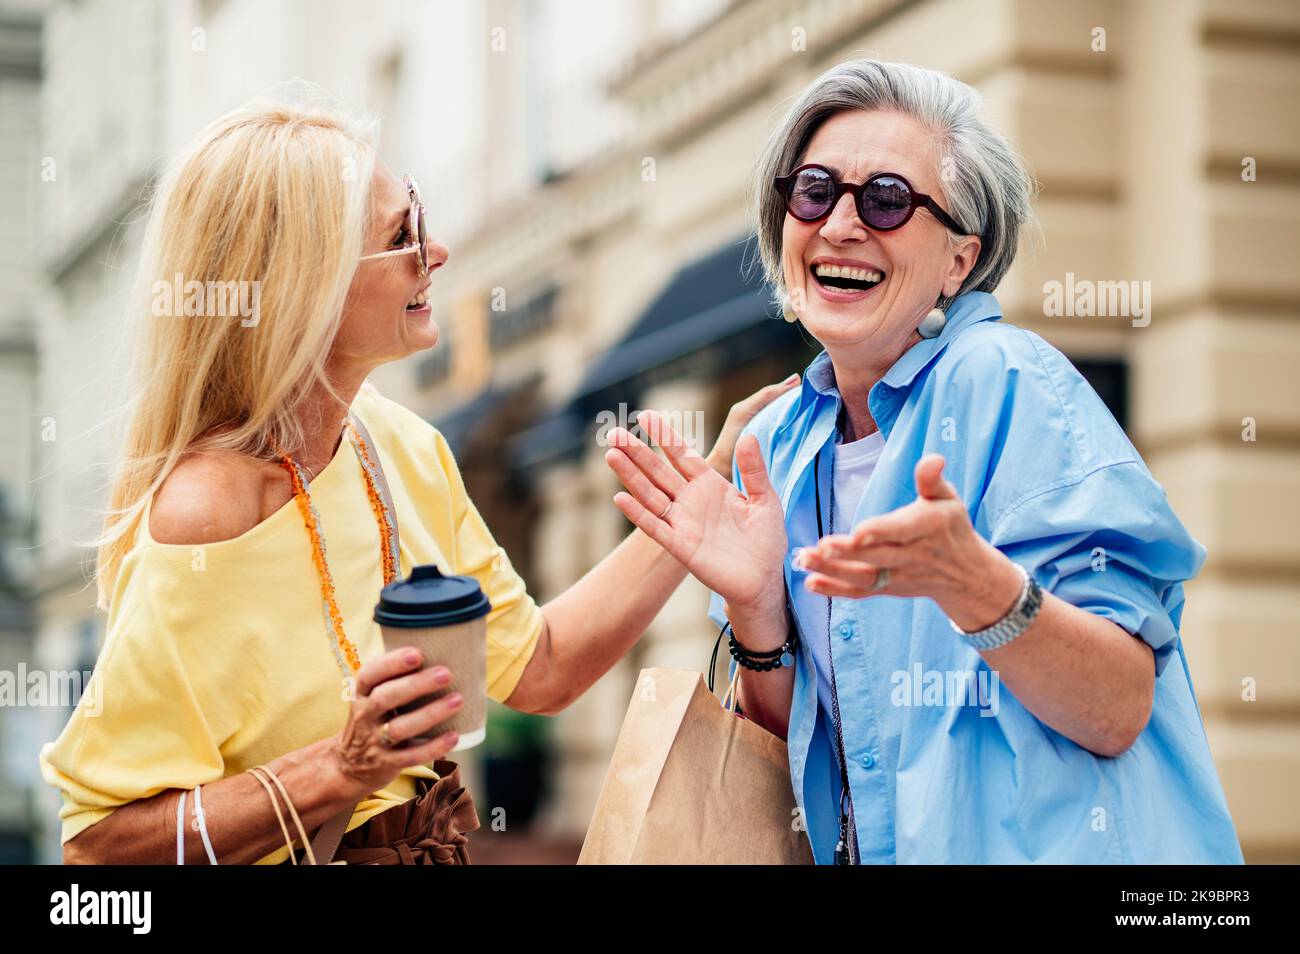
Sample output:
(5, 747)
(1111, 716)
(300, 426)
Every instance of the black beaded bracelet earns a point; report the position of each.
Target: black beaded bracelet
(763, 661)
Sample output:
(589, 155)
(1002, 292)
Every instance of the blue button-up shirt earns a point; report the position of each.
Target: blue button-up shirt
(944, 764)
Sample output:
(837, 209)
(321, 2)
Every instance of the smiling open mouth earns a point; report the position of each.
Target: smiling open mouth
(418, 302)
(845, 278)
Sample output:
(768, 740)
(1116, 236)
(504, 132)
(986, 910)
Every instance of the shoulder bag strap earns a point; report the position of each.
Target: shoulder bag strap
(326, 840)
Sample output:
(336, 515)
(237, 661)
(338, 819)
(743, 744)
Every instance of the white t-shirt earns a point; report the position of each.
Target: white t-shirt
(853, 466)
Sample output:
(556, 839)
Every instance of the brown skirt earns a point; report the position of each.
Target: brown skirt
(429, 829)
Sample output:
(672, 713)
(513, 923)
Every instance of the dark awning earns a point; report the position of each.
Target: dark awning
(458, 424)
(707, 300)
(713, 311)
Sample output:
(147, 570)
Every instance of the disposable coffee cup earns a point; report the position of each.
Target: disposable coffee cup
(445, 617)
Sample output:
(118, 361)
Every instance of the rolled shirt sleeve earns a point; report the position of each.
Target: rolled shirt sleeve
(1108, 543)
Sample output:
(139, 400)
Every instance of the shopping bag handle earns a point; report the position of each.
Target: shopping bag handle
(730, 700)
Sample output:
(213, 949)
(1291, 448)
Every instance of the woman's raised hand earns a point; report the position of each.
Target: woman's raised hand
(925, 548)
(394, 679)
(741, 413)
(732, 543)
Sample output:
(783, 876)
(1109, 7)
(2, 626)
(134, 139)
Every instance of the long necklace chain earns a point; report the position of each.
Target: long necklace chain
(843, 851)
(342, 646)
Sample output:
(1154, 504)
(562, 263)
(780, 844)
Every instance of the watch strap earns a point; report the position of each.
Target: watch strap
(1014, 623)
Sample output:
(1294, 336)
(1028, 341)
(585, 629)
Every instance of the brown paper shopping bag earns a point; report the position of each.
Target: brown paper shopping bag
(693, 783)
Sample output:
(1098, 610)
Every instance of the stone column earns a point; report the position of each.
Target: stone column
(1213, 139)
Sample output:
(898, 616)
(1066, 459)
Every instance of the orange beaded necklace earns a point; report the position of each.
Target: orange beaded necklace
(343, 647)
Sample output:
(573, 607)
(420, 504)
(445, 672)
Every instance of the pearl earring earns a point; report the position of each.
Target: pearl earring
(787, 311)
(932, 324)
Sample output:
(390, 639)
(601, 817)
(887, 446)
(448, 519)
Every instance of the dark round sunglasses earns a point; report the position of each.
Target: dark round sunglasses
(884, 202)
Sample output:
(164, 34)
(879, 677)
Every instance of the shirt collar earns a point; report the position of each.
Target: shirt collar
(964, 311)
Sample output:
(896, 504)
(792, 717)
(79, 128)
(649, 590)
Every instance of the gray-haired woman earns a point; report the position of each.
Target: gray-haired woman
(943, 509)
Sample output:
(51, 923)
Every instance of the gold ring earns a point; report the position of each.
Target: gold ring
(383, 734)
(666, 509)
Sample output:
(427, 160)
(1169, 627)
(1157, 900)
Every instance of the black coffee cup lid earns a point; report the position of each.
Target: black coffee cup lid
(428, 598)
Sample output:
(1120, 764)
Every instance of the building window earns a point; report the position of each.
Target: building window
(515, 324)
(1109, 378)
(435, 367)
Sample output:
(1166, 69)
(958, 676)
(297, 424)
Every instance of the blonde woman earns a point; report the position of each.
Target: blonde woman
(236, 637)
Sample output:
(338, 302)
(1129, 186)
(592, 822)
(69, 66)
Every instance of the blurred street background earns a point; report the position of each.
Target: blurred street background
(586, 162)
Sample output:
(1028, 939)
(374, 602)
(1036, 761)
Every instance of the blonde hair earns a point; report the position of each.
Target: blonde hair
(269, 193)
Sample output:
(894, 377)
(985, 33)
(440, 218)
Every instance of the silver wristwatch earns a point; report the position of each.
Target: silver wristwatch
(1014, 623)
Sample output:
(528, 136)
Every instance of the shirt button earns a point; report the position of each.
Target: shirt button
(846, 630)
(867, 761)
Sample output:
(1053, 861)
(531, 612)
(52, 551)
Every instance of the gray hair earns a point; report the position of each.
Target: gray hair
(986, 183)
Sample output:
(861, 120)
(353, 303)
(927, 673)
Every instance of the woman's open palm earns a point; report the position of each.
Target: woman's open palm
(733, 544)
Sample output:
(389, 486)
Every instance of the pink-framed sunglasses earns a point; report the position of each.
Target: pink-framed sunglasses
(415, 229)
